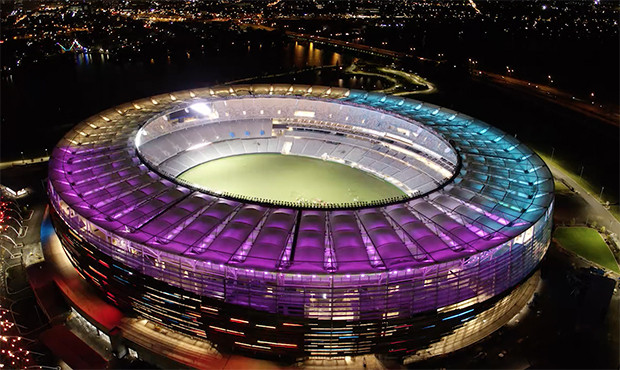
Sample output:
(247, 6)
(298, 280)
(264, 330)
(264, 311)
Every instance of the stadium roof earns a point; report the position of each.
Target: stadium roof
(499, 191)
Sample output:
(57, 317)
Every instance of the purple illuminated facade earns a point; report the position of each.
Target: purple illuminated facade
(301, 279)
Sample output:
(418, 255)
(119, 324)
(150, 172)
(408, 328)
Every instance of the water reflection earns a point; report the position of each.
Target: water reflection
(308, 55)
(296, 55)
(81, 59)
(118, 78)
(336, 59)
(299, 57)
(314, 56)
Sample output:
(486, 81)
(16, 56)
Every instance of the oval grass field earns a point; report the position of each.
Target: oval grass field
(289, 178)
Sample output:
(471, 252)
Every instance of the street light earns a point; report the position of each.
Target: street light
(601, 194)
(552, 152)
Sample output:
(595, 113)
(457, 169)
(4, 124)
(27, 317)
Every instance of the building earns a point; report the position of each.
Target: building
(409, 277)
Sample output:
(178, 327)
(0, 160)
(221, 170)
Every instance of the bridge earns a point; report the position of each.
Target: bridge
(352, 46)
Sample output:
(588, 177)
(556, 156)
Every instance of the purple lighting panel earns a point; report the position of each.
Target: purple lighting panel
(474, 222)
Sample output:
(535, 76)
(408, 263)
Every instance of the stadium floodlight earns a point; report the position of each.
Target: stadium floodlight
(304, 113)
(201, 108)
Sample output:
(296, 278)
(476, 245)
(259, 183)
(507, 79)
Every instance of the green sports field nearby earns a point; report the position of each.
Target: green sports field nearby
(289, 178)
(588, 243)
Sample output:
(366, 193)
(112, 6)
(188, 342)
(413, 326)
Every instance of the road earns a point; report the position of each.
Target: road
(22, 162)
(399, 80)
(608, 114)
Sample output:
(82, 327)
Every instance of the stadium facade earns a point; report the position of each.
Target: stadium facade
(397, 276)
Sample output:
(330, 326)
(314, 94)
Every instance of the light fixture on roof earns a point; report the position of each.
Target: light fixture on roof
(201, 108)
(303, 113)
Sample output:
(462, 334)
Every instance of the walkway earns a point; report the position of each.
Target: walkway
(596, 210)
(23, 162)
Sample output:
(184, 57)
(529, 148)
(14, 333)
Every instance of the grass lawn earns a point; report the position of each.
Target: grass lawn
(614, 209)
(588, 243)
(289, 178)
(560, 187)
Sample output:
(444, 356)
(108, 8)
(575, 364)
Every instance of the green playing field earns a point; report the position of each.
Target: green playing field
(289, 178)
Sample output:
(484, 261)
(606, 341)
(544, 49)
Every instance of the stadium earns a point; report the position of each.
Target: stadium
(442, 253)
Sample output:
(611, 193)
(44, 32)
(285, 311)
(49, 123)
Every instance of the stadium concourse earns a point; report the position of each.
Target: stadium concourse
(404, 277)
